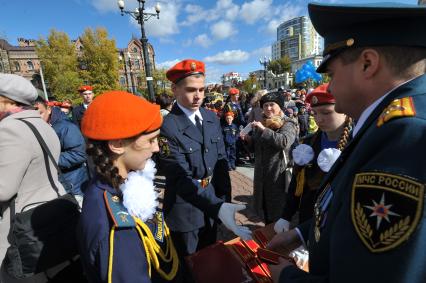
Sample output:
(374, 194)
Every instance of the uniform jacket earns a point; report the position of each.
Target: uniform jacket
(73, 150)
(230, 134)
(22, 167)
(313, 177)
(269, 180)
(129, 260)
(77, 114)
(189, 158)
(384, 164)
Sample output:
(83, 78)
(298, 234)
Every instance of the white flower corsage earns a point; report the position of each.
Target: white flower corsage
(303, 154)
(327, 157)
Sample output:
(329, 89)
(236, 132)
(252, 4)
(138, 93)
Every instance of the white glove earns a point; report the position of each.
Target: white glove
(281, 225)
(227, 216)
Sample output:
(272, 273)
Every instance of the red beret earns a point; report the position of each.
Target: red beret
(229, 114)
(233, 91)
(119, 115)
(320, 96)
(185, 69)
(85, 88)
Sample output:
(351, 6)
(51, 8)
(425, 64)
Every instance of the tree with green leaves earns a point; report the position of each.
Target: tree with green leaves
(99, 60)
(58, 59)
(280, 65)
(160, 82)
(251, 84)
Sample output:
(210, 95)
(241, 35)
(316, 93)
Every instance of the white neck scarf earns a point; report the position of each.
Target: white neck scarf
(139, 195)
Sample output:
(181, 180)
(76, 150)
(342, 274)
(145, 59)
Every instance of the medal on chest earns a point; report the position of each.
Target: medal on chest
(321, 210)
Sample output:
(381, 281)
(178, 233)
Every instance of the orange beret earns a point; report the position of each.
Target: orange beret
(320, 96)
(229, 114)
(185, 69)
(233, 91)
(119, 115)
(85, 88)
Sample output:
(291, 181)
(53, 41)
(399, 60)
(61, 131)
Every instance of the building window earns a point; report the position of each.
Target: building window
(30, 66)
(137, 64)
(123, 81)
(139, 80)
(135, 50)
(17, 66)
(1, 67)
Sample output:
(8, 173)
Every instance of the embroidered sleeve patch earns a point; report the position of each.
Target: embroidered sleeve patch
(402, 107)
(163, 144)
(385, 209)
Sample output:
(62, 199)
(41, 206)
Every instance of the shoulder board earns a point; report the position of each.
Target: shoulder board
(118, 213)
(401, 107)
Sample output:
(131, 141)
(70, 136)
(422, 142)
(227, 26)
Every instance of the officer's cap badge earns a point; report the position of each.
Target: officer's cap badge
(385, 209)
(314, 100)
(193, 66)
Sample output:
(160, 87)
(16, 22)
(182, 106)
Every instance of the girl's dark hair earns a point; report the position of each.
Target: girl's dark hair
(344, 138)
(103, 159)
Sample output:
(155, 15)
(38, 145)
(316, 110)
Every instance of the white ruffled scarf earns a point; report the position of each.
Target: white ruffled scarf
(139, 195)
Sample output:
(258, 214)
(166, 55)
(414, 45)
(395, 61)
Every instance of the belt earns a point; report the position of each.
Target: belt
(205, 181)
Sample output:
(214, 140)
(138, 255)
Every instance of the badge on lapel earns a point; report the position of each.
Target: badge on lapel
(163, 144)
(385, 209)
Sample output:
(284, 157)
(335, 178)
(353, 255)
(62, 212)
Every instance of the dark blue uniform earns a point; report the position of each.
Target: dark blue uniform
(230, 135)
(77, 114)
(369, 225)
(187, 157)
(129, 260)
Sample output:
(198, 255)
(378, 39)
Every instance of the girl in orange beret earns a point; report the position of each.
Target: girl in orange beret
(122, 234)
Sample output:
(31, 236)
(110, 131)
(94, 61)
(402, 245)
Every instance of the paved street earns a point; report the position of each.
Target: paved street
(242, 192)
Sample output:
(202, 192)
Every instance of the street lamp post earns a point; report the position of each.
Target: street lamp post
(122, 58)
(141, 17)
(265, 62)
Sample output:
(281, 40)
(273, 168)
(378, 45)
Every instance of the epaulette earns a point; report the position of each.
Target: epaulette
(118, 213)
(400, 107)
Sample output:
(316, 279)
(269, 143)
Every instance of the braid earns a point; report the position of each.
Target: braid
(103, 159)
(345, 134)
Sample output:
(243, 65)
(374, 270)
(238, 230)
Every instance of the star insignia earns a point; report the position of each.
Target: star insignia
(381, 211)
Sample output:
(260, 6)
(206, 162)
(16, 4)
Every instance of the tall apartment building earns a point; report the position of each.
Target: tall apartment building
(297, 39)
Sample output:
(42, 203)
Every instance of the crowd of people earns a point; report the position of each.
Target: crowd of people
(346, 157)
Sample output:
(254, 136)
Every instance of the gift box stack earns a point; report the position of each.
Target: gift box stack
(236, 261)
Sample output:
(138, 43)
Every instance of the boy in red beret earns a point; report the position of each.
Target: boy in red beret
(86, 92)
(120, 210)
(195, 165)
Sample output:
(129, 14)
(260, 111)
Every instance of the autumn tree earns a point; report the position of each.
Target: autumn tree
(99, 60)
(250, 85)
(280, 65)
(58, 59)
(161, 83)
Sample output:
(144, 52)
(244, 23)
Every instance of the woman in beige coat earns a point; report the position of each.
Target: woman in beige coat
(272, 137)
(22, 166)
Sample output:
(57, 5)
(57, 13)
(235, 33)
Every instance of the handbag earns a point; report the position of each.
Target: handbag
(44, 236)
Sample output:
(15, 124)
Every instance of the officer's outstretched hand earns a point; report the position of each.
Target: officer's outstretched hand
(281, 225)
(227, 216)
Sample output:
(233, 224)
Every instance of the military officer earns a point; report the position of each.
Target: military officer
(368, 223)
(191, 150)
